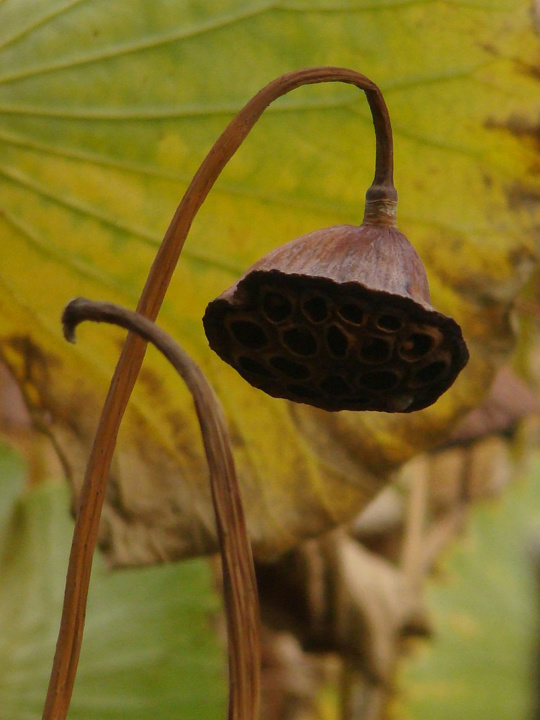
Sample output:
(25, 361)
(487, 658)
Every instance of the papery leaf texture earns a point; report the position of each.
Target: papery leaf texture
(106, 111)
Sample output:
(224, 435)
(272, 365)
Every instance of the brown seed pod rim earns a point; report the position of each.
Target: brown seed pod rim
(241, 296)
(246, 296)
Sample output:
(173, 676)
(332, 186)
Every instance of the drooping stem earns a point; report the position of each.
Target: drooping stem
(380, 208)
(382, 188)
(239, 584)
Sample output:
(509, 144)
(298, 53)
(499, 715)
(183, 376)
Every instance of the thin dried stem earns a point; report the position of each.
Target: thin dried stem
(239, 585)
(95, 481)
(415, 528)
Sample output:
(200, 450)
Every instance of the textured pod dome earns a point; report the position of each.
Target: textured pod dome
(339, 319)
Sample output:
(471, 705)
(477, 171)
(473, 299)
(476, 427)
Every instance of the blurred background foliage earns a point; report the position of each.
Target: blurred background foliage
(106, 110)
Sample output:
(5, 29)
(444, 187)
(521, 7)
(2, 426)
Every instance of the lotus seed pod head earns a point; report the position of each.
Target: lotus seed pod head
(340, 319)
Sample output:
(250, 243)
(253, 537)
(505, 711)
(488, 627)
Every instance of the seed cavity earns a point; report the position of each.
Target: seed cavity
(337, 341)
(248, 334)
(430, 373)
(389, 323)
(352, 313)
(304, 391)
(276, 307)
(300, 341)
(291, 369)
(380, 380)
(335, 385)
(416, 346)
(253, 366)
(375, 350)
(315, 309)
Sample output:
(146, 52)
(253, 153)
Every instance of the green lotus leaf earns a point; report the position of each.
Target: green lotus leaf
(151, 648)
(481, 662)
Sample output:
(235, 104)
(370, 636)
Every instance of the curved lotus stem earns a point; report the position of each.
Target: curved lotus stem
(239, 584)
(380, 209)
(228, 143)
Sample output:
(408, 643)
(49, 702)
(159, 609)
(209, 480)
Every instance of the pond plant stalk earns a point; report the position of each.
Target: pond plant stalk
(239, 584)
(351, 298)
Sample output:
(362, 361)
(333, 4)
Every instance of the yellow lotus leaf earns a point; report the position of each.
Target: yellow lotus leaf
(106, 111)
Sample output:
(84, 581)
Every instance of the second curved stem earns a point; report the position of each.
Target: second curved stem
(239, 584)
